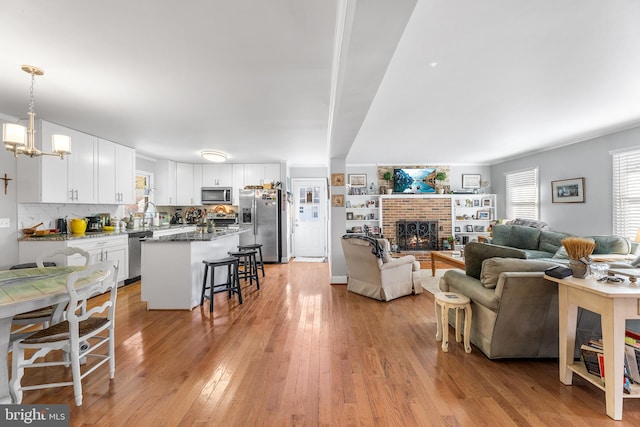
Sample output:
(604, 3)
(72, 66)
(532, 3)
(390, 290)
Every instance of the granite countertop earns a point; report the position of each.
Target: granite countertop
(195, 236)
(124, 231)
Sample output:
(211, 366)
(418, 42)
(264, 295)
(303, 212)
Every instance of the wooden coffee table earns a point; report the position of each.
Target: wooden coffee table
(446, 257)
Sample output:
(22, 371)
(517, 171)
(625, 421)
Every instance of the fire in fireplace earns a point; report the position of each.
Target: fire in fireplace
(416, 235)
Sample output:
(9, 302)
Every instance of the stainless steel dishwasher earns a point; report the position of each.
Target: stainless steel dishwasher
(135, 254)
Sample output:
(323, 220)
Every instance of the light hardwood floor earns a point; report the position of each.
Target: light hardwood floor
(302, 352)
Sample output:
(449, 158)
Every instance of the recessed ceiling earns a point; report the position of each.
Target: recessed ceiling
(254, 78)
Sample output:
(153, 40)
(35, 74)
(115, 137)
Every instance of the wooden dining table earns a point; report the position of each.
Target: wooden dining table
(24, 290)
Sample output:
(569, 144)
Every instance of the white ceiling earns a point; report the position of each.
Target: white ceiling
(269, 81)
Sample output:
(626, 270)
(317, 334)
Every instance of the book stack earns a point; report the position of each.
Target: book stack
(592, 355)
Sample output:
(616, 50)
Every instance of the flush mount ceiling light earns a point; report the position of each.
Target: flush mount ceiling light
(14, 135)
(214, 156)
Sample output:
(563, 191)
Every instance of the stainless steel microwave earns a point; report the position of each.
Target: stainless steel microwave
(216, 195)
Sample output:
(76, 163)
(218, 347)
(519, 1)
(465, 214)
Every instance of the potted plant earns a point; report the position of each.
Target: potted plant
(387, 176)
(441, 176)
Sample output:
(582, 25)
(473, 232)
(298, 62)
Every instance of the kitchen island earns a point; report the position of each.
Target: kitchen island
(172, 269)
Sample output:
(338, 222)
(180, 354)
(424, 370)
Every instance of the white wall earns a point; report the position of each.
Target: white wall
(589, 159)
(8, 205)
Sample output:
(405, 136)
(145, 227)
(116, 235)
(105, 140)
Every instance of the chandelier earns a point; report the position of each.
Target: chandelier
(20, 139)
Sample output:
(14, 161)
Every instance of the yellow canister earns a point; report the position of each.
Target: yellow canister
(78, 225)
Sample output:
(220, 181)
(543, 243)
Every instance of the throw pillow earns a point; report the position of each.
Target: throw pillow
(611, 245)
(551, 241)
(529, 223)
(493, 267)
(523, 237)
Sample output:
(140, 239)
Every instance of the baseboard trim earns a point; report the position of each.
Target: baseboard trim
(338, 280)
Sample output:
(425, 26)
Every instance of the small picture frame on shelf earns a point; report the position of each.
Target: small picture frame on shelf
(371, 204)
(486, 203)
(456, 229)
(483, 215)
(469, 228)
(349, 216)
(359, 217)
(358, 180)
(457, 202)
(478, 228)
(476, 203)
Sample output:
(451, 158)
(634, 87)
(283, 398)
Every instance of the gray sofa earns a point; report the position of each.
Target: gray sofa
(515, 310)
(545, 244)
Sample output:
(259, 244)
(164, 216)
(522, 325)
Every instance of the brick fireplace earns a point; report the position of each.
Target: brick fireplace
(414, 208)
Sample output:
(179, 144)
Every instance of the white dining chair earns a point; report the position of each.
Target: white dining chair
(95, 326)
(44, 316)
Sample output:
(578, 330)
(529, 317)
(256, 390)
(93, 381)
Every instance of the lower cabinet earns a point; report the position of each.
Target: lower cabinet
(114, 248)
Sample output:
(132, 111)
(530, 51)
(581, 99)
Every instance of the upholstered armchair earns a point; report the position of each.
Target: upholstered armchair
(372, 272)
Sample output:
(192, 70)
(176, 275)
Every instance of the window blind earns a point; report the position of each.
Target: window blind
(522, 194)
(626, 193)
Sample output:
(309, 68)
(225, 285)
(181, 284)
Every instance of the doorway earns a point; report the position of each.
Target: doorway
(310, 217)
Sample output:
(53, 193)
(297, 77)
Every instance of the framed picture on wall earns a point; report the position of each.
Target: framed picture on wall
(337, 179)
(358, 180)
(567, 191)
(337, 200)
(470, 180)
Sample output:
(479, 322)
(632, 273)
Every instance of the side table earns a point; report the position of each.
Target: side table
(444, 301)
(615, 303)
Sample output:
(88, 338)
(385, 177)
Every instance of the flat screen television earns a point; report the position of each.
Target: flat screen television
(414, 180)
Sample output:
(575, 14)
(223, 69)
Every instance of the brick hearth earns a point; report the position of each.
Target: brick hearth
(418, 207)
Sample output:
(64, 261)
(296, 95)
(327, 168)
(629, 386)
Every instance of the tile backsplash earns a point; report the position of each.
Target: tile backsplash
(30, 214)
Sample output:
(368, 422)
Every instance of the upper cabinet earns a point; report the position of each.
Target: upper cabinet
(217, 175)
(116, 173)
(258, 174)
(165, 183)
(184, 184)
(49, 179)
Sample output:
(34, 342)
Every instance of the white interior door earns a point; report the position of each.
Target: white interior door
(310, 217)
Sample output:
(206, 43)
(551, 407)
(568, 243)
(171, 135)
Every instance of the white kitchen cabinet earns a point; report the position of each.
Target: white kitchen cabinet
(197, 184)
(238, 182)
(258, 174)
(165, 183)
(184, 184)
(49, 179)
(102, 248)
(116, 173)
(217, 175)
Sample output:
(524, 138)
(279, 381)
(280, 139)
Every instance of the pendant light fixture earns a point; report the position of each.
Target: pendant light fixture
(21, 140)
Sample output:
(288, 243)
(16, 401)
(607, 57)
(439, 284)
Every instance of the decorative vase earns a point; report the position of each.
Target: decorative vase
(389, 190)
(578, 268)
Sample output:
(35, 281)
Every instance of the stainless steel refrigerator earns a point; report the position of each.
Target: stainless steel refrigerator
(260, 212)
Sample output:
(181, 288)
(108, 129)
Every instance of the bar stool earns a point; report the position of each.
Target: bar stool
(232, 285)
(257, 246)
(247, 260)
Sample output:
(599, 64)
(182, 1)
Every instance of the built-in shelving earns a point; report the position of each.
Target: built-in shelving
(472, 215)
(363, 210)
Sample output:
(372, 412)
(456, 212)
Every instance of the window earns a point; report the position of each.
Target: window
(522, 194)
(626, 193)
